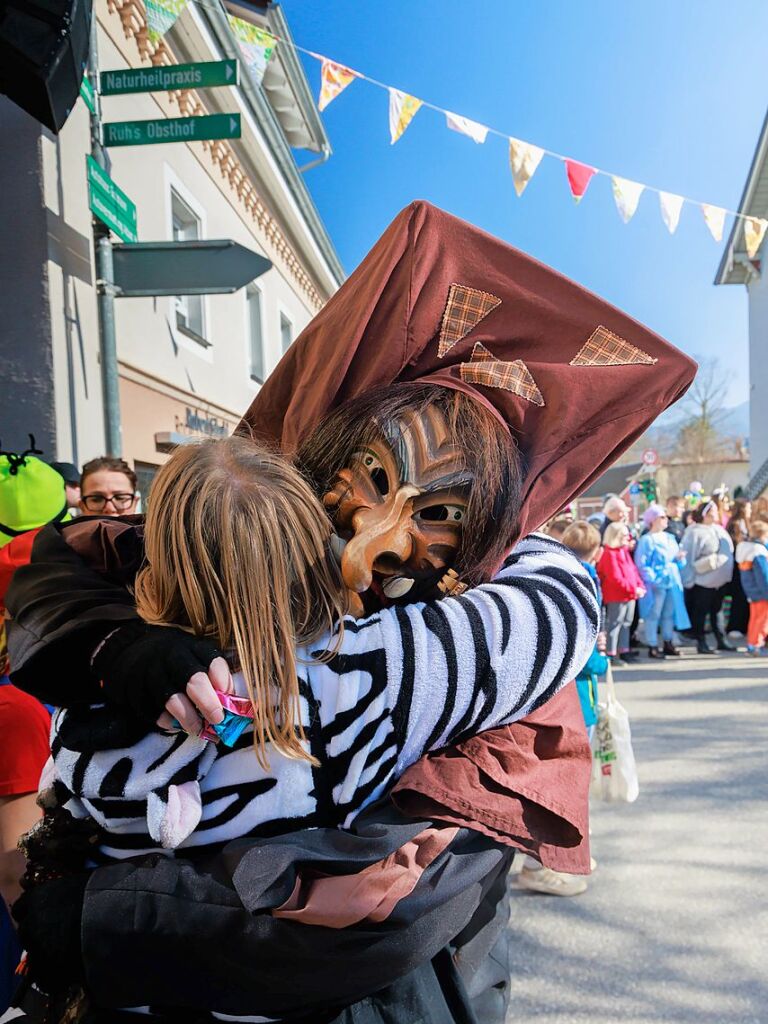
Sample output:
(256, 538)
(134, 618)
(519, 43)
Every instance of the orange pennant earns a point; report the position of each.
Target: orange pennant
(334, 78)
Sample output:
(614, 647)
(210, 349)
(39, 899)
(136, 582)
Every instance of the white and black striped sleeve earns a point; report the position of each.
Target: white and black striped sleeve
(462, 665)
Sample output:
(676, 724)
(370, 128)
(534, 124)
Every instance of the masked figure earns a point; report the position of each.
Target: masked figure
(451, 397)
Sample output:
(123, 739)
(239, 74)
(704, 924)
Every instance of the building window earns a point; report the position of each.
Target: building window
(255, 337)
(286, 332)
(145, 474)
(189, 308)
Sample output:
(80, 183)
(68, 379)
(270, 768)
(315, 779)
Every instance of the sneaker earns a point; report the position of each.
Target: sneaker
(553, 883)
(629, 656)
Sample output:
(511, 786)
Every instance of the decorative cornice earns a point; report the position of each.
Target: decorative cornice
(221, 153)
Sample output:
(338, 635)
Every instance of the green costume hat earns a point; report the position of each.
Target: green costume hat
(31, 494)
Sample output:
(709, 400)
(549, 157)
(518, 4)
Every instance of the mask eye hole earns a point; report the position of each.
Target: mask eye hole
(377, 472)
(442, 514)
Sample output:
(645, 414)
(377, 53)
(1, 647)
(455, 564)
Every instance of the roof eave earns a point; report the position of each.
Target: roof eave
(725, 271)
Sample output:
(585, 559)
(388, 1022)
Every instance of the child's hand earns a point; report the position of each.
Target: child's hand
(602, 643)
(200, 700)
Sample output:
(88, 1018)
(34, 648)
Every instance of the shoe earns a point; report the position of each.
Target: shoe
(629, 656)
(655, 652)
(702, 648)
(670, 649)
(723, 645)
(553, 883)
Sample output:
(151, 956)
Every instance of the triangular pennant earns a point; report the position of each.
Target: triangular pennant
(334, 79)
(715, 220)
(671, 205)
(161, 14)
(402, 109)
(465, 308)
(480, 354)
(579, 177)
(524, 158)
(754, 231)
(496, 373)
(475, 131)
(627, 195)
(256, 45)
(604, 348)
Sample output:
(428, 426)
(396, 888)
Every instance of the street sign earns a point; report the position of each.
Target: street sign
(650, 457)
(185, 268)
(86, 92)
(110, 204)
(204, 75)
(172, 129)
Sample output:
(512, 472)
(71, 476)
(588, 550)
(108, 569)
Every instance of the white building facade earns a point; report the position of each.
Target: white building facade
(736, 267)
(187, 365)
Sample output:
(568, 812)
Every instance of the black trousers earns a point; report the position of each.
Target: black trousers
(703, 601)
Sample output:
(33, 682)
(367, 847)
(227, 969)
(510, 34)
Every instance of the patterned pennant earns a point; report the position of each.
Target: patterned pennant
(402, 109)
(524, 158)
(475, 131)
(334, 79)
(754, 231)
(627, 195)
(256, 45)
(579, 177)
(161, 14)
(715, 218)
(671, 205)
(464, 310)
(480, 354)
(495, 373)
(604, 348)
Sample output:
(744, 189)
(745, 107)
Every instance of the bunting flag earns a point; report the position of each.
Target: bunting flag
(334, 78)
(475, 131)
(627, 195)
(524, 158)
(671, 205)
(402, 110)
(715, 218)
(754, 232)
(579, 177)
(256, 45)
(161, 14)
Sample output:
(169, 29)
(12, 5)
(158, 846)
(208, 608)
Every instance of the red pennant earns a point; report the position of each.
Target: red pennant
(579, 177)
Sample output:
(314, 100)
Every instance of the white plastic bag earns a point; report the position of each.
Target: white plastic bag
(614, 772)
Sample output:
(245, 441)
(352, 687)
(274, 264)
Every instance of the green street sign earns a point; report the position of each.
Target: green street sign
(172, 129)
(86, 92)
(205, 75)
(109, 203)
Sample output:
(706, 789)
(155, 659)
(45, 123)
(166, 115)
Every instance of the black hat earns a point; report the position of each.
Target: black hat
(70, 473)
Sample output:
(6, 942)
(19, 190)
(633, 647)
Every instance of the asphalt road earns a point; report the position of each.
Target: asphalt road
(674, 926)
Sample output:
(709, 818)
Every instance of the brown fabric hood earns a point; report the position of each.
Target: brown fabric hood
(436, 299)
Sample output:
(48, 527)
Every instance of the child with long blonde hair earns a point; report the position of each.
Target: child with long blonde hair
(238, 549)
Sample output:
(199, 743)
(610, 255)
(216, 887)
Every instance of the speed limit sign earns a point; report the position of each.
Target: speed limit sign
(650, 457)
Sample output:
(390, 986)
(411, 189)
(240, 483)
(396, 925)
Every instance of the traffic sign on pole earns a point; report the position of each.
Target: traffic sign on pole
(172, 129)
(204, 75)
(110, 204)
(650, 457)
(86, 92)
(199, 267)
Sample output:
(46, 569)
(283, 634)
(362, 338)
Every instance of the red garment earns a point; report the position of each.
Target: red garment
(757, 630)
(618, 574)
(25, 726)
(17, 552)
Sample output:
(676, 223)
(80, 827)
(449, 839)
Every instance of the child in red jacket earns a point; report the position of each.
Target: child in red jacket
(622, 585)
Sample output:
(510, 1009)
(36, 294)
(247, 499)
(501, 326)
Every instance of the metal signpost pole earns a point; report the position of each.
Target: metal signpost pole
(105, 285)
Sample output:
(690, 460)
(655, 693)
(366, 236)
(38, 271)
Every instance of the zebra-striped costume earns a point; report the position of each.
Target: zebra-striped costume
(403, 681)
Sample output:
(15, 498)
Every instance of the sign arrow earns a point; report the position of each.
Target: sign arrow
(185, 268)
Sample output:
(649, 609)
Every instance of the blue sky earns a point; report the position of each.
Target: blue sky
(670, 94)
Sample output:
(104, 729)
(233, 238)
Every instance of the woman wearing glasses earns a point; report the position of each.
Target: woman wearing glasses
(108, 488)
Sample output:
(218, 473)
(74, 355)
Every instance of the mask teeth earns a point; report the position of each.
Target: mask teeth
(337, 546)
(397, 586)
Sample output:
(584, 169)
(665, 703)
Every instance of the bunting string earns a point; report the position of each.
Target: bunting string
(524, 157)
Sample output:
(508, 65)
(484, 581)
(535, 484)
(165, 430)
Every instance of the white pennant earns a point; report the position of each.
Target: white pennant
(627, 195)
(715, 219)
(671, 205)
(524, 158)
(754, 231)
(473, 129)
